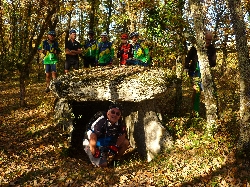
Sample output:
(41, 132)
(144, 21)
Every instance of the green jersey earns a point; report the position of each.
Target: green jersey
(90, 48)
(141, 52)
(49, 48)
(105, 52)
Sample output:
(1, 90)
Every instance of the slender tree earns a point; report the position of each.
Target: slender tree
(198, 12)
(93, 21)
(27, 21)
(181, 49)
(239, 27)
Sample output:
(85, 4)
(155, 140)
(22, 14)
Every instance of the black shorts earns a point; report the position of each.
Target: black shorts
(89, 61)
(74, 64)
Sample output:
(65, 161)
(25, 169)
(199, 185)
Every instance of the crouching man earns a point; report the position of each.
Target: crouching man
(106, 135)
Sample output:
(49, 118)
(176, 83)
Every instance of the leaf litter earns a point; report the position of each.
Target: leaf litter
(33, 152)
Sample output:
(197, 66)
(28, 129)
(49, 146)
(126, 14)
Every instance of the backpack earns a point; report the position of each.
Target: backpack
(94, 118)
(211, 51)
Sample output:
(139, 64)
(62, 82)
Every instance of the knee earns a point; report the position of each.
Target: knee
(125, 143)
(47, 75)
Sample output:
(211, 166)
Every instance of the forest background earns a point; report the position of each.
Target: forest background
(34, 150)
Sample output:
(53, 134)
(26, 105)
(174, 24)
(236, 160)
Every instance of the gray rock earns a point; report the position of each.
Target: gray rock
(140, 90)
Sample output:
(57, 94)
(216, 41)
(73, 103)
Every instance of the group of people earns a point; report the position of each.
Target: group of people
(105, 132)
(93, 52)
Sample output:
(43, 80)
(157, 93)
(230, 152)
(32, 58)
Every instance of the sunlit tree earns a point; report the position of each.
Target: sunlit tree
(237, 16)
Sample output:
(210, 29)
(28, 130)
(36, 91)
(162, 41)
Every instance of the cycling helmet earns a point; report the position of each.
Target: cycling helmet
(72, 31)
(52, 33)
(91, 32)
(132, 34)
(104, 34)
(124, 36)
(115, 105)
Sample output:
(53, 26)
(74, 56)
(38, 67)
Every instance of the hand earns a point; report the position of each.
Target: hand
(97, 153)
(196, 88)
(44, 52)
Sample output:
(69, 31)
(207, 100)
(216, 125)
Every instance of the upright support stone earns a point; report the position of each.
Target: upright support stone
(63, 115)
(145, 129)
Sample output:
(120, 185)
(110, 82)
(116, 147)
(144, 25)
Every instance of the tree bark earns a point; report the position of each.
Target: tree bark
(22, 79)
(239, 27)
(199, 13)
(24, 63)
(180, 61)
(93, 21)
(109, 16)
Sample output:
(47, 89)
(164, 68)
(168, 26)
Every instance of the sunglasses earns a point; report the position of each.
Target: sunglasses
(117, 113)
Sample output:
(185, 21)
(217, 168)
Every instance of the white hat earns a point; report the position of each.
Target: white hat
(104, 34)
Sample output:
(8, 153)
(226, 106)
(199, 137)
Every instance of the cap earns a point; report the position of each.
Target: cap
(115, 105)
(132, 34)
(52, 33)
(91, 32)
(104, 34)
(72, 31)
(124, 36)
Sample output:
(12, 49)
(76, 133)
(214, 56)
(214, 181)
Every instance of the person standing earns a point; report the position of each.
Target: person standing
(193, 68)
(141, 54)
(90, 47)
(50, 49)
(124, 50)
(72, 50)
(105, 51)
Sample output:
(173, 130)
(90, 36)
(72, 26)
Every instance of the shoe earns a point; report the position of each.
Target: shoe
(47, 90)
(115, 163)
(194, 114)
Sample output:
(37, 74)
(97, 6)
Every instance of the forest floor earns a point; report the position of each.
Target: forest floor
(34, 152)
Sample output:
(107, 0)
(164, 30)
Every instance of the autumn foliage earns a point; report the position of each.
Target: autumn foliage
(34, 151)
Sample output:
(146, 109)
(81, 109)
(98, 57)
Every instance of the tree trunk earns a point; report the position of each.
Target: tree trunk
(180, 61)
(22, 80)
(132, 16)
(225, 53)
(92, 15)
(109, 16)
(239, 27)
(25, 61)
(178, 88)
(197, 10)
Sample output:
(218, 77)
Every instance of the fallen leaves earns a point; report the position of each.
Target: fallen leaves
(33, 152)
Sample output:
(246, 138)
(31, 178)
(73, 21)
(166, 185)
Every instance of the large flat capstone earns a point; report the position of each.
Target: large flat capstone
(141, 91)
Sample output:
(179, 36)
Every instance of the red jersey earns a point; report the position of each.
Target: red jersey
(124, 53)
